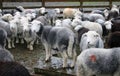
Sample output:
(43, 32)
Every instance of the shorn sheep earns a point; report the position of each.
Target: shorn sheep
(91, 39)
(99, 62)
(60, 39)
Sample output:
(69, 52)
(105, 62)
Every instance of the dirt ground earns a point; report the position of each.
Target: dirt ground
(26, 57)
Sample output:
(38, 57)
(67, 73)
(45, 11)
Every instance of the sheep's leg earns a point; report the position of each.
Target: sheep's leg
(74, 58)
(31, 45)
(22, 41)
(17, 40)
(80, 70)
(9, 43)
(37, 41)
(28, 45)
(47, 52)
(117, 73)
(12, 43)
(64, 55)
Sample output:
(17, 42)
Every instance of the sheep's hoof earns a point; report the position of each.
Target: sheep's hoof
(31, 48)
(72, 66)
(47, 60)
(13, 46)
(9, 47)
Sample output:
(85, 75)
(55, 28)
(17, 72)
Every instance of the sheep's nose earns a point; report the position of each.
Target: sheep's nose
(88, 42)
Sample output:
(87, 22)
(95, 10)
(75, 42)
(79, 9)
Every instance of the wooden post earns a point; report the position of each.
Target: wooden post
(43, 3)
(81, 3)
(1, 4)
(110, 3)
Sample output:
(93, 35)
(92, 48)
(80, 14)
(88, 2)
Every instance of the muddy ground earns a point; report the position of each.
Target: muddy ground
(26, 57)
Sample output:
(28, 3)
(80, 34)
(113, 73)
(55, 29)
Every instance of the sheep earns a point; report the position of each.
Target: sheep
(7, 17)
(92, 17)
(114, 40)
(3, 37)
(99, 62)
(13, 69)
(114, 12)
(75, 22)
(106, 26)
(93, 26)
(14, 29)
(5, 55)
(80, 31)
(6, 27)
(52, 15)
(69, 12)
(67, 23)
(98, 12)
(90, 39)
(60, 39)
(37, 12)
(43, 20)
(29, 36)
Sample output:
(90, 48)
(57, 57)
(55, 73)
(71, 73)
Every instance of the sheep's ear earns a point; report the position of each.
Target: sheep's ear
(100, 43)
(81, 9)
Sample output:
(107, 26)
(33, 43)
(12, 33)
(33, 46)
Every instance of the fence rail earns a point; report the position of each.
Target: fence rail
(45, 3)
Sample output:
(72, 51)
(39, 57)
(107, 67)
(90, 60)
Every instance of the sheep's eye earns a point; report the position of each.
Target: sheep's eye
(85, 35)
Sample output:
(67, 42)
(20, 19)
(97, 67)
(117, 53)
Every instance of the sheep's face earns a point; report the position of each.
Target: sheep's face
(78, 14)
(13, 25)
(58, 23)
(106, 13)
(42, 10)
(7, 17)
(108, 25)
(91, 38)
(57, 10)
(35, 25)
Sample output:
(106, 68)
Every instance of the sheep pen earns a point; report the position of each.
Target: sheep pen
(29, 58)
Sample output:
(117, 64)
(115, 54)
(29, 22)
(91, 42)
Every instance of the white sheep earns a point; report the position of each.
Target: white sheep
(69, 12)
(99, 62)
(7, 17)
(91, 39)
(92, 26)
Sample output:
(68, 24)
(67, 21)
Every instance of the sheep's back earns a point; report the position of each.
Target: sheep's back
(106, 61)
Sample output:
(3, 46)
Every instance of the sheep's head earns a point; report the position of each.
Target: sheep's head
(76, 22)
(57, 10)
(13, 25)
(7, 17)
(91, 39)
(108, 25)
(35, 25)
(58, 23)
(78, 14)
(42, 10)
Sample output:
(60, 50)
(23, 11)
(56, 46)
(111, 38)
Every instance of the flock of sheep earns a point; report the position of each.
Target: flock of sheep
(61, 30)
